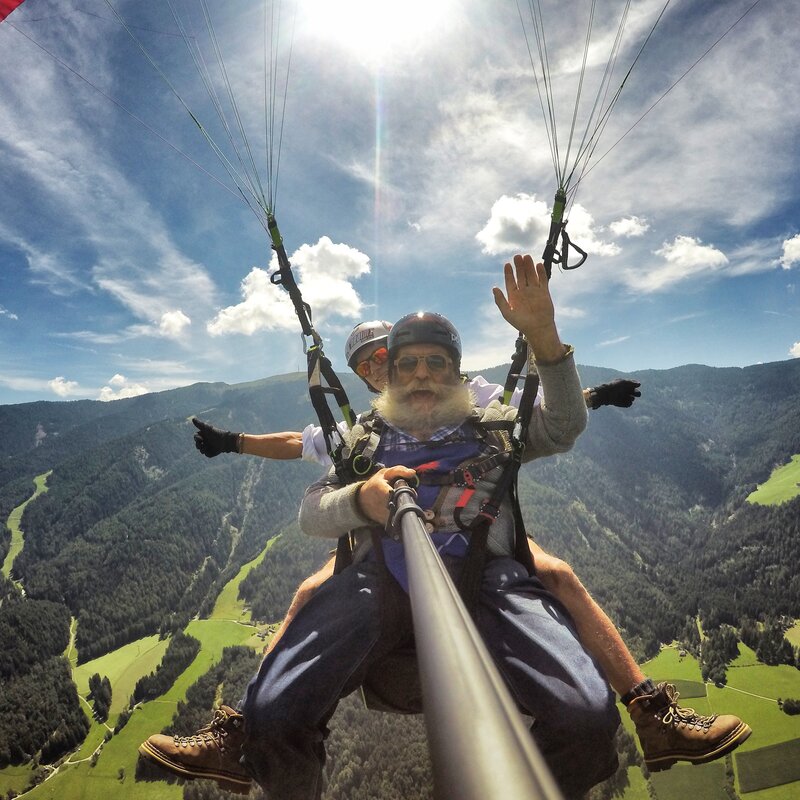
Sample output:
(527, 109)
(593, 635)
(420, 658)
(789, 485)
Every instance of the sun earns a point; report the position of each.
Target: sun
(376, 31)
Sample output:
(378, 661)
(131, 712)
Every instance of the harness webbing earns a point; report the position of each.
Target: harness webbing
(513, 436)
(471, 574)
(322, 380)
(469, 581)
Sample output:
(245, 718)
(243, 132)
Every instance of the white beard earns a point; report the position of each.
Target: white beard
(453, 405)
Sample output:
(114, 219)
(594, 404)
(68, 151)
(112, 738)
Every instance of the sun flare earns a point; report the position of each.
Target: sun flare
(376, 30)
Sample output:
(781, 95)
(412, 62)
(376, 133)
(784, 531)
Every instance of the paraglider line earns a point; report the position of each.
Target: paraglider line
(696, 62)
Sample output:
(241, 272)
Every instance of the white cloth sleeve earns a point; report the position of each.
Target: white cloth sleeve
(486, 392)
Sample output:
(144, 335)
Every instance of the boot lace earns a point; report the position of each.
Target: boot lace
(676, 715)
(212, 734)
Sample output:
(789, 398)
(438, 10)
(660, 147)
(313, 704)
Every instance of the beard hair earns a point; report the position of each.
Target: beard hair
(454, 404)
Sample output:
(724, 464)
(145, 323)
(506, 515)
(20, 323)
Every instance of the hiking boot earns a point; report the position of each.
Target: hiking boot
(669, 733)
(212, 753)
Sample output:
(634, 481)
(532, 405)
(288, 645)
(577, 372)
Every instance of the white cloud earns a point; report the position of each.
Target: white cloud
(4, 312)
(521, 224)
(609, 342)
(690, 253)
(791, 252)
(794, 350)
(153, 288)
(173, 323)
(629, 226)
(63, 387)
(264, 307)
(324, 272)
(21, 383)
(46, 269)
(119, 387)
(515, 224)
(570, 312)
(95, 227)
(582, 231)
(686, 257)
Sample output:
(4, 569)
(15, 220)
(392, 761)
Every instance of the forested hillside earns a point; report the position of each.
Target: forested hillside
(138, 532)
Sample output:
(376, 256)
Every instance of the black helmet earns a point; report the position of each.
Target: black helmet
(425, 327)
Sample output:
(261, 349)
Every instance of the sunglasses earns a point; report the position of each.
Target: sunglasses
(378, 358)
(407, 365)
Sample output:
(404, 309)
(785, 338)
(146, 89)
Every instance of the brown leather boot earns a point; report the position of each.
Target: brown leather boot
(212, 753)
(669, 733)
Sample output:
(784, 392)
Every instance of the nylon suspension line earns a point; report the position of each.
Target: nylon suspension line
(558, 251)
(675, 83)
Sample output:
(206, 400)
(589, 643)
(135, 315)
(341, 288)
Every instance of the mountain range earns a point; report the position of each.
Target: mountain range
(138, 532)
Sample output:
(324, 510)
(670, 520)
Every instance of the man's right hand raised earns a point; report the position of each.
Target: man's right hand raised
(374, 494)
(211, 441)
(528, 307)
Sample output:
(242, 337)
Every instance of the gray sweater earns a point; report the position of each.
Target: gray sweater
(330, 509)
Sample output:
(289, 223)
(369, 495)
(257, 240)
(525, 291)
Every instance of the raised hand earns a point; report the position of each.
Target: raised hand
(527, 306)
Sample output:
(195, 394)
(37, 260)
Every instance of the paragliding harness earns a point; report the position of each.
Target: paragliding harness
(357, 462)
(506, 441)
(393, 685)
(322, 380)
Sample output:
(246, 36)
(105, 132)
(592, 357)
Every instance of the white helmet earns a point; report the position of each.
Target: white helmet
(365, 333)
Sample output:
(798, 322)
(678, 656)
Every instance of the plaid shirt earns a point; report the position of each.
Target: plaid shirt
(453, 543)
(394, 439)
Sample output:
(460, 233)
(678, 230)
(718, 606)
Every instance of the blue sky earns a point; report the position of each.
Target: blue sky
(414, 162)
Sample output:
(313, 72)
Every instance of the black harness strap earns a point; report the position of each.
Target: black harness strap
(518, 360)
(469, 583)
(322, 380)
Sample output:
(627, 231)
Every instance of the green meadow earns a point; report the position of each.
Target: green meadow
(14, 518)
(793, 634)
(102, 769)
(123, 667)
(228, 605)
(704, 781)
(783, 484)
(776, 765)
(770, 755)
(114, 769)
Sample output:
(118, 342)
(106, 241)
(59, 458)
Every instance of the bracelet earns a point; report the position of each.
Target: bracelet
(240, 443)
(568, 351)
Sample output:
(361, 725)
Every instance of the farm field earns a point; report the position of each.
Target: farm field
(113, 774)
(102, 769)
(751, 693)
(228, 605)
(783, 484)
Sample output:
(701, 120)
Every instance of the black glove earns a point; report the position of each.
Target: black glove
(211, 441)
(621, 392)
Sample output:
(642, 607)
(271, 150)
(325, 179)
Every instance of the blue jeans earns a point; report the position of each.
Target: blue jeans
(359, 616)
